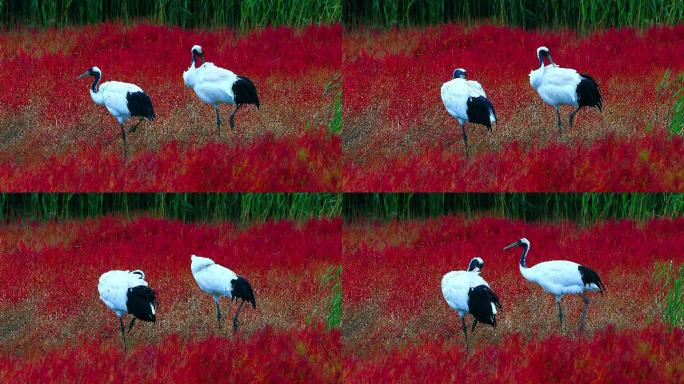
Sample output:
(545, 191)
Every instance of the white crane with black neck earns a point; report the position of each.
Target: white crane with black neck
(215, 85)
(564, 86)
(219, 281)
(466, 101)
(467, 292)
(127, 292)
(122, 100)
(559, 278)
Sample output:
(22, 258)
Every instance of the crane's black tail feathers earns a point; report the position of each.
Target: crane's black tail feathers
(591, 277)
(139, 302)
(480, 300)
(588, 93)
(242, 290)
(140, 105)
(245, 92)
(479, 110)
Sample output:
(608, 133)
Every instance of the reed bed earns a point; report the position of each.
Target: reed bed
(577, 14)
(242, 14)
(240, 207)
(581, 207)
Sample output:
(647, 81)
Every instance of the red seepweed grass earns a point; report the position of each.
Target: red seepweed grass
(397, 326)
(398, 136)
(47, 117)
(56, 328)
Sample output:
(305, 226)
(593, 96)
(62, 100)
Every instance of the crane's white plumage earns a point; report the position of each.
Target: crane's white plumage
(219, 281)
(212, 278)
(122, 100)
(563, 86)
(467, 292)
(127, 292)
(559, 278)
(215, 85)
(466, 101)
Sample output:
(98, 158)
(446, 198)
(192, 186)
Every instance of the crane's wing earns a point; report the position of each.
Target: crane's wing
(216, 278)
(457, 284)
(560, 77)
(475, 89)
(115, 94)
(210, 73)
(455, 97)
(561, 272)
(112, 287)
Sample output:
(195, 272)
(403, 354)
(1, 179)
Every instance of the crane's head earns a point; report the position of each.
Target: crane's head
(476, 265)
(520, 243)
(459, 73)
(542, 53)
(197, 51)
(92, 71)
(139, 273)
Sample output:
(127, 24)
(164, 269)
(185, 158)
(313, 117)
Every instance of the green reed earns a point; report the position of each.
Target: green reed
(580, 207)
(578, 14)
(239, 207)
(243, 14)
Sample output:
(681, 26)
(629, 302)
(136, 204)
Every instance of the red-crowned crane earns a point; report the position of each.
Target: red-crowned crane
(215, 85)
(560, 277)
(468, 292)
(122, 100)
(466, 101)
(218, 281)
(127, 292)
(564, 86)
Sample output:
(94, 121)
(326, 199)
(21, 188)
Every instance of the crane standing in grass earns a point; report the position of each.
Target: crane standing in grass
(127, 292)
(220, 281)
(560, 277)
(466, 101)
(122, 100)
(564, 86)
(215, 85)
(468, 292)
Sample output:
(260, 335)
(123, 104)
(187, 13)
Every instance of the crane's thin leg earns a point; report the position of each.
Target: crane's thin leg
(585, 298)
(474, 324)
(465, 139)
(218, 121)
(123, 334)
(560, 125)
(235, 319)
(560, 312)
(133, 128)
(123, 138)
(465, 330)
(130, 325)
(572, 115)
(232, 116)
(218, 312)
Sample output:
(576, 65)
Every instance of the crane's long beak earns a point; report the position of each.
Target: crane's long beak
(84, 74)
(551, 60)
(510, 246)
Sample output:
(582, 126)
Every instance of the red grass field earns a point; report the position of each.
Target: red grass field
(55, 328)
(54, 138)
(399, 137)
(399, 326)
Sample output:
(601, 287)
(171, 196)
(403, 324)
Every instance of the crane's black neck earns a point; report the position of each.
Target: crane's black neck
(194, 57)
(526, 248)
(95, 81)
